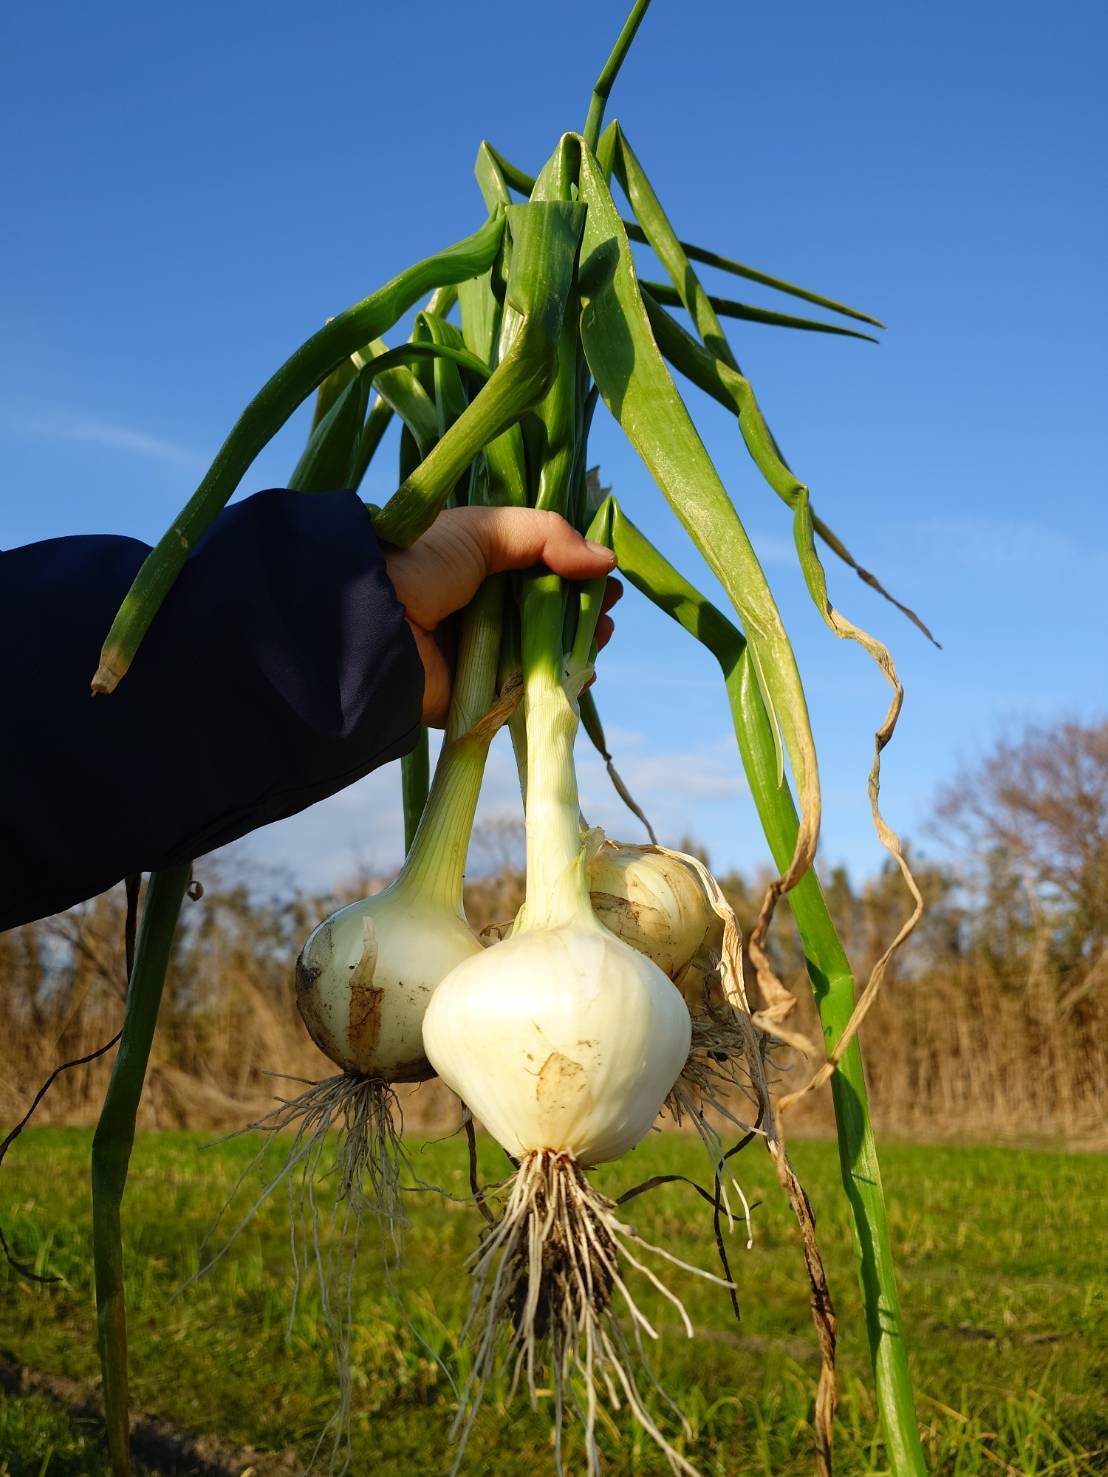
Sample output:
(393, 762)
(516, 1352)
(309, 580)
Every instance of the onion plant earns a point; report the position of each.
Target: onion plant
(618, 991)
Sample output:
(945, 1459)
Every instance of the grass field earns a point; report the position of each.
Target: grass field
(1002, 1263)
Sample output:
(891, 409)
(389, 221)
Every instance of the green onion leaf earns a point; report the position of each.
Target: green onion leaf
(635, 384)
(260, 422)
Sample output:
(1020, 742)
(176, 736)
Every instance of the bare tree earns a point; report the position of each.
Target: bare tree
(1034, 817)
(499, 844)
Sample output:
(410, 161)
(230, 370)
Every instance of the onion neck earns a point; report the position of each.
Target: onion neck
(557, 885)
(475, 677)
(434, 871)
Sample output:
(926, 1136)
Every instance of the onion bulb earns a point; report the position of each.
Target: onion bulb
(363, 981)
(652, 901)
(560, 1038)
(366, 974)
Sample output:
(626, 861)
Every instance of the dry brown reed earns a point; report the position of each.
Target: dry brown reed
(960, 1043)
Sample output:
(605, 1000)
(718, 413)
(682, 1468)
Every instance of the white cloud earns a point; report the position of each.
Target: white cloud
(692, 776)
(361, 829)
(1010, 546)
(59, 426)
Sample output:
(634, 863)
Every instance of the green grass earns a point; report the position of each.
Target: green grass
(37, 1438)
(1001, 1257)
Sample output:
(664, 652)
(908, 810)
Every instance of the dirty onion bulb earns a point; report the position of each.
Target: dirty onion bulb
(562, 1037)
(367, 973)
(564, 1041)
(363, 981)
(652, 901)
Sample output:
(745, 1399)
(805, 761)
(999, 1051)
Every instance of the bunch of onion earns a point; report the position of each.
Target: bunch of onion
(564, 1041)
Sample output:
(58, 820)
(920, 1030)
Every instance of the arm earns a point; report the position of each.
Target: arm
(293, 656)
(281, 669)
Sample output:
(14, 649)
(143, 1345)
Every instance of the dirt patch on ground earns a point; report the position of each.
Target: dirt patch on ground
(159, 1448)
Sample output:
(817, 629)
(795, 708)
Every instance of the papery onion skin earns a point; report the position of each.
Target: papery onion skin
(366, 975)
(651, 901)
(563, 1039)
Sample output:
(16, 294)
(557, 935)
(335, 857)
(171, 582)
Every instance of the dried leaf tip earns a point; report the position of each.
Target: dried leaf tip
(105, 679)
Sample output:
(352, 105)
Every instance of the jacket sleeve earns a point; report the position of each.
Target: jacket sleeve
(279, 669)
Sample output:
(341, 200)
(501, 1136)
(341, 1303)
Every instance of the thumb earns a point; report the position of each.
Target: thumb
(516, 538)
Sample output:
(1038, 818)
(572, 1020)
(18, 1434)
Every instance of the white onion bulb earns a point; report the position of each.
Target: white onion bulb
(562, 1039)
(366, 974)
(652, 901)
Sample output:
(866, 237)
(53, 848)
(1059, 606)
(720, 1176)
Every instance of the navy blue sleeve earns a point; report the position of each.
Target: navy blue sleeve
(279, 670)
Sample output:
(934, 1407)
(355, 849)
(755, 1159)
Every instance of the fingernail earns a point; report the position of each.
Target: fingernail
(601, 549)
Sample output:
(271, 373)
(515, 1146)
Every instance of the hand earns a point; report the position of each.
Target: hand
(442, 571)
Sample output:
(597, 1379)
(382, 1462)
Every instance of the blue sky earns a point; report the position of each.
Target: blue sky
(191, 191)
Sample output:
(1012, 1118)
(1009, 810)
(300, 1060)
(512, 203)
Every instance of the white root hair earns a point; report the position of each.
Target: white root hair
(714, 1075)
(367, 1174)
(547, 1289)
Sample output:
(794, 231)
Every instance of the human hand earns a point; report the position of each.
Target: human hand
(442, 571)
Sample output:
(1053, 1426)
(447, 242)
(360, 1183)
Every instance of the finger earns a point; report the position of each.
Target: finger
(516, 538)
(613, 591)
(605, 626)
(436, 678)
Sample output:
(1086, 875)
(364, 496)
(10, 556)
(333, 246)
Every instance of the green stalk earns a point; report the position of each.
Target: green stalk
(511, 670)
(369, 439)
(415, 767)
(475, 678)
(480, 316)
(472, 686)
(449, 391)
(434, 869)
(325, 462)
(113, 1142)
(556, 420)
(610, 71)
(330, 390)
(830, 973)
(545, 237)
(438, 841)
(557, 884)
(415, 776)
(424, 418)
(504, 455)
(263, 418)
(403, 392)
